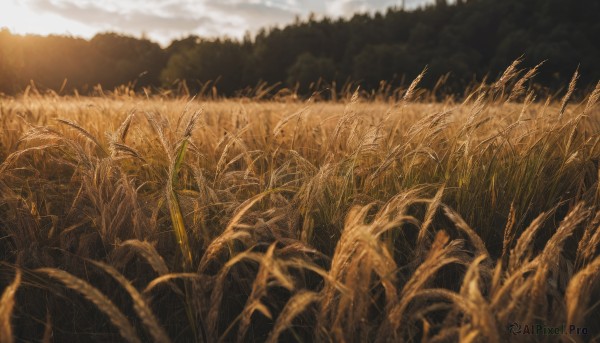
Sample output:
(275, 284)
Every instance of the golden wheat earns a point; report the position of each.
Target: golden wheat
(356, 220)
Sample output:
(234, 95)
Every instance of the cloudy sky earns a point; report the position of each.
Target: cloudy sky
(165, 20)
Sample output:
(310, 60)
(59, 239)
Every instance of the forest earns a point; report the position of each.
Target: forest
(465, 42)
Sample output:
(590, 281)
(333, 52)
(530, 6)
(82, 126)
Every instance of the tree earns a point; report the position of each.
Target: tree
(383, 62)
(309, 69)
(10, 62)
(220, 61)
(127, 59)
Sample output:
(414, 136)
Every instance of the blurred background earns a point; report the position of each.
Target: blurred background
(305, 46)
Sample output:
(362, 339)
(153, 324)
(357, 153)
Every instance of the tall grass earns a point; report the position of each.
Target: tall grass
(359, 220)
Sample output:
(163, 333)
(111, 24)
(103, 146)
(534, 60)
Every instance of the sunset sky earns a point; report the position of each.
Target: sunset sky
(165, 20)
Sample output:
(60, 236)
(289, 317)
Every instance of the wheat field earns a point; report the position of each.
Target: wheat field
(172, 219)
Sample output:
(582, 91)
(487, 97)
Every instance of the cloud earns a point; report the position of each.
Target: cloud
(130, 20)
(256, 14)
(165, 20)
(345, 8)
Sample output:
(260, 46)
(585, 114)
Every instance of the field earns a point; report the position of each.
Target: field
(153, 218)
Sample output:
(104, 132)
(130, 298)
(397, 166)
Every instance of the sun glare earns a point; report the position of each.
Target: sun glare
(20, 18)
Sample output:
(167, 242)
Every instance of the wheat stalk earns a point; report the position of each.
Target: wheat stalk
(570, 90)
(7, 302)
(140, 305)
(103, 303)
(579, 291)
(85, 133)
(292, 309)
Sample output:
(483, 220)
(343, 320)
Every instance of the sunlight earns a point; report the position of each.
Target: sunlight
(20, 18)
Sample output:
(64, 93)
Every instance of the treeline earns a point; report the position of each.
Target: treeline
(469, 40)
(58, 62)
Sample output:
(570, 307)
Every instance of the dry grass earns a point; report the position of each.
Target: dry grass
(238, 220)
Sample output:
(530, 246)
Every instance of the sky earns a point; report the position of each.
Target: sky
(163, 21)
